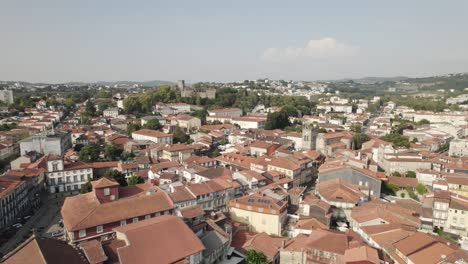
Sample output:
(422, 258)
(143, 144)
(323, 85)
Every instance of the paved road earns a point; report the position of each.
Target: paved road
(43, 219)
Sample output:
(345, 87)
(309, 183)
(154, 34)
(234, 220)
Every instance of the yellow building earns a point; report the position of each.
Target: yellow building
(260, 213)
(458, 184)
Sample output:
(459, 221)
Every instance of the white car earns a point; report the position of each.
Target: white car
(18, 225)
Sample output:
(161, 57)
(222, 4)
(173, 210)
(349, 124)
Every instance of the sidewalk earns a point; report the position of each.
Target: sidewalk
(43, 217)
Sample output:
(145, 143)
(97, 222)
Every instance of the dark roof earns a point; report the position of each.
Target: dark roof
(214, 172)
(43, 250)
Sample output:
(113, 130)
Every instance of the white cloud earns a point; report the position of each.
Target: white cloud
(317, 49)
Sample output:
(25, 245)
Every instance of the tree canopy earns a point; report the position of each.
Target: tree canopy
(135, 180)
(153, 124)
(277, 120)
(397, 140)
(89, 153)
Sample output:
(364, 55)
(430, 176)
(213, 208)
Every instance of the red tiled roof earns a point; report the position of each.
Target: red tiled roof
(177, 241)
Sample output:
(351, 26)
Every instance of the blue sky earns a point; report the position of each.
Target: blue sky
(59, 41)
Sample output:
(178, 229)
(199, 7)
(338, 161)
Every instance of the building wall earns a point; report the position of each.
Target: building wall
(457, 120)
(459, 147)
(13, 204)
(259, 222)
(6, 96)
(292, 257)
(404, 166)
(41, 143)
(91, 233)
(227, 113)
(457, 222)
(68, 180)
(167, 140)
(354, 177)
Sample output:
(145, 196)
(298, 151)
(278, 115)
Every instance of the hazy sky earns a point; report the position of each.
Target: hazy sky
(58, 41)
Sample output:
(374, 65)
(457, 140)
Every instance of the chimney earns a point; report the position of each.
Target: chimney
(283, 243)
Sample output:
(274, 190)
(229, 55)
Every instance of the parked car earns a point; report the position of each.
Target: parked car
(17, 225)
(27, 217)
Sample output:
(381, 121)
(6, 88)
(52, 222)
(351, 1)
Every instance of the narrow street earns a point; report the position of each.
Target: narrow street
(45, 217)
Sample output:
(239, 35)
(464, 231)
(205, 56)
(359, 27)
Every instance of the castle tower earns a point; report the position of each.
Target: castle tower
(309, 137)
(181, 84)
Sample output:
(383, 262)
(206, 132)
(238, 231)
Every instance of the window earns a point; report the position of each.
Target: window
(99, 229)
(55, 167)
(123, 222)
(106, 191)
(135, 219)
(82, 233)
(147, 216)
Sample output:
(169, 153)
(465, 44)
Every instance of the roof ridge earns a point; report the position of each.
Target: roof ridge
(84, 218)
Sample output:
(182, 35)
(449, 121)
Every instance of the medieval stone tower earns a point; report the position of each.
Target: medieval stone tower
(309, 136)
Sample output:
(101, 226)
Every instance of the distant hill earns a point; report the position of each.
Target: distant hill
(372, 80)
(146, 83)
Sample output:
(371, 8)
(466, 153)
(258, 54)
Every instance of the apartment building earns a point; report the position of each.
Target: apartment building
(66, 177)
(152, 135)
(261, 213)
(55, 143)
(458, 147)
(228, 112)
(94, 215)
(13, 199)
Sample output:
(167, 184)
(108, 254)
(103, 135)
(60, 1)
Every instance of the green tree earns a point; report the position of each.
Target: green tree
(421, 188)
(103, 94)
(90, 109)
(131, 127)
(255, 257)
(290, 110)
(89, 153)
(69, 103)
(223, 141)
(359, 139)
(356, 128)
(389, 188)
(112, 153)
(131, 104)
(153, 124)
(87, 187)
(127, 155)
(51, 101)
(411, 174)
(277, 120)
(179, 136)
(117, 176)
(8, 127)
(135, 180)
(215, 153)
(322, 130)
(397, 140)
(423, 122)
